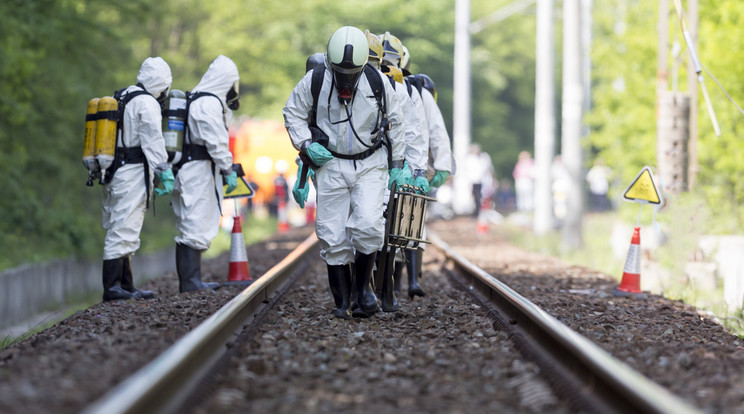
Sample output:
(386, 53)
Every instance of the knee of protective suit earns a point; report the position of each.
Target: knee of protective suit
(368, 240)
(337, 255)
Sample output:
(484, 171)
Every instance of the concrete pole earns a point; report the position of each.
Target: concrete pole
(462, 202)
(662, 53)
(586, 59)
(572, 120)
(544, 116)
(692, 87)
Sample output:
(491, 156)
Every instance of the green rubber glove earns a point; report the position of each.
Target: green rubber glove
(439, 178)
(422, 183)
(168, 181)
(232, 182)
(318, 154)
(300, 194)
(400, 176)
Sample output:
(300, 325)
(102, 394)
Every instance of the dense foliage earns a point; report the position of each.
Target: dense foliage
(623, 117)
(55, 55)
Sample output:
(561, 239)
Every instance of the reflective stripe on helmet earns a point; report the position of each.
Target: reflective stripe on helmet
(347, 50)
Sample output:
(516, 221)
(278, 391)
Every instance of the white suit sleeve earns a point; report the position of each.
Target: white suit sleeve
(148, 131)
(207, 127)
(417, 143)
(395, 115)
(296, 111)
(439, 142)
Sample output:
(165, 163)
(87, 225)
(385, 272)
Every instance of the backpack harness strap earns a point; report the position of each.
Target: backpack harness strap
(196, 152)
(122, 154)
(375, 81)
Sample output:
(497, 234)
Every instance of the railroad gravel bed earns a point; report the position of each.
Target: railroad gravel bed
(668, 341)
(438, 354)
(69, 365)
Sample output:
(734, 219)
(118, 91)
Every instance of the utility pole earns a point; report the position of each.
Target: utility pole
(572, 120)
(672, 116)
(586, 60)
(692, 86)
(544, 116)
(462, 200)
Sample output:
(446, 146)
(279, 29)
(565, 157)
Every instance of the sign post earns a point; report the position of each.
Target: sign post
(642, 190)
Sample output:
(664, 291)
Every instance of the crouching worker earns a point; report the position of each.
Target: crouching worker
(353, 169)
(197, 196)
(128, 182)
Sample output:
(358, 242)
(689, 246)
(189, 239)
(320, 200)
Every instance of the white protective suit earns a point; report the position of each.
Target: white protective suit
(440, 149)
(422, 142)
(417, 147)
(197, 194)
(417, 137)
(124, 198)
(349, 193)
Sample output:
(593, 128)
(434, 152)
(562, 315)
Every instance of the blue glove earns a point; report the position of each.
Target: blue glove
(422, 183)
(400, 176)
(168, 181)
(318, 154)
(439, 178)
(232, 182)
(300, 194)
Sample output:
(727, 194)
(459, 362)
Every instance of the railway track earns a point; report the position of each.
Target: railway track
(582, 376)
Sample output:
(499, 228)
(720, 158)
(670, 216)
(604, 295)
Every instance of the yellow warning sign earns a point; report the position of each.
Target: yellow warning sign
(243, 190)
(643, 188)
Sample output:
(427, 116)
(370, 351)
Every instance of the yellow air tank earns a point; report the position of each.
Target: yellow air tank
(106, 133)
(89, 148)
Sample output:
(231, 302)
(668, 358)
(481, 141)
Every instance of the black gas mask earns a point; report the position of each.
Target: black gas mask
(233, 98)
(345, 83)
(346, 75)
(163, 95)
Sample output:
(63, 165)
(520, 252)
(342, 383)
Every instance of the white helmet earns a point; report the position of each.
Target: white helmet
(393, 50)
(347, 54)
(405, 60)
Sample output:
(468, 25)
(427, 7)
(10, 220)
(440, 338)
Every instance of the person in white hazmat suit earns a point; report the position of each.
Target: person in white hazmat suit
(354, 169)
(197, 196)
(140, 152)
(417, 136)
(441, 163)
(300, 195)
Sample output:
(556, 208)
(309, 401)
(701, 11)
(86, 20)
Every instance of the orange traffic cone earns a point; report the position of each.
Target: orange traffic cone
(281, 213)
(630, 285)
(481, 225)
(239, 273)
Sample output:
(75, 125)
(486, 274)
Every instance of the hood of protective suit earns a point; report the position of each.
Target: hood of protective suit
(155, 75)
(219, 78)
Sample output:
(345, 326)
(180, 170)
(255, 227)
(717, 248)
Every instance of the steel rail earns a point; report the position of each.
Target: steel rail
(615, 384)
(161, 385)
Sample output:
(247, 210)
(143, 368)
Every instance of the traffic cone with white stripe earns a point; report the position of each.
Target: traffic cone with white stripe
(630, 285)
(239, 273)
(283, 220)
(481, 223)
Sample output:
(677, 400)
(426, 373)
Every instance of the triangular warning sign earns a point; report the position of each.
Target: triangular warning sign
(643, 188)
(243, 190)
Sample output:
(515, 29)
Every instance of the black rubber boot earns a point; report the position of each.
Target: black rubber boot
(367, 301)
(413, 267)
(387, 297)
(127, 281)
(353, 296)
(339, 279)
(397, 276)
(112, 271)
(188, 266)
